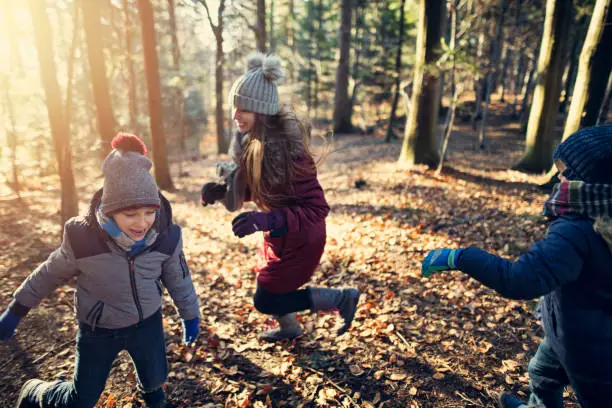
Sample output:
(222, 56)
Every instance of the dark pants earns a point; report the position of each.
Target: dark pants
(95, 352)
(548, 377)
(281, 303)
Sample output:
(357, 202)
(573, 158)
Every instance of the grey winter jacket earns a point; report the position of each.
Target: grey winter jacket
(113, 289)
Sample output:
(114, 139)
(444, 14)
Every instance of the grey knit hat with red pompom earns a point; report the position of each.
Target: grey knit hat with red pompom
(128, 182)
(256, 90)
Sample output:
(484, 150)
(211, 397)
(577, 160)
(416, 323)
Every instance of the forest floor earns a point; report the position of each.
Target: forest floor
(446, 341)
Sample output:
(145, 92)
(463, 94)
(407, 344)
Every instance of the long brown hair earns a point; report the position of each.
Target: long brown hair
(271, 158)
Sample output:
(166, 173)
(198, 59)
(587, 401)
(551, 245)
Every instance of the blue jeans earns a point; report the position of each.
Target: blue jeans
(548, 377)
(281, 303)
(95, 352)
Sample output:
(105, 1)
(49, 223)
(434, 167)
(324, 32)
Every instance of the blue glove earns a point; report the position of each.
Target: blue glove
(8, 323)
(441, 259)
(191, 329)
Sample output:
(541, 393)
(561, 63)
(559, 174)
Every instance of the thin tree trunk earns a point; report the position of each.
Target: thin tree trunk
(271, 35)
(260, 33)
(605, 107)
(540, 136)
(499, 30)
(570, 79)
(71, 57)
(131, 76)
(593, 71)
(451, 118)
(97, 68)
(526, 92)
(11, 137)
(178, 94)
(156, 123)
(55, 108)
(342, 113)
(478, 82)
(421, 135)
(398, 68)
(222, 141)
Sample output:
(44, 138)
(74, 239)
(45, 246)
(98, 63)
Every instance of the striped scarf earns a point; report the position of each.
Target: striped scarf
(589, 200)
(126, 243)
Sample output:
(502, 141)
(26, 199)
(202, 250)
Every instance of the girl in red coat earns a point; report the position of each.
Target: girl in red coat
(275, 169)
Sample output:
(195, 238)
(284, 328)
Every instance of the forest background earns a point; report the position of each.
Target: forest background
(440, 117)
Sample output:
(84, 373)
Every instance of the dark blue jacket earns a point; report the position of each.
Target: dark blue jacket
(572, 269)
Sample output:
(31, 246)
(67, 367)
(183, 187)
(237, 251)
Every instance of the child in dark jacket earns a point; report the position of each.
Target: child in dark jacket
(276, 171)
(571, 268)
(121, 253)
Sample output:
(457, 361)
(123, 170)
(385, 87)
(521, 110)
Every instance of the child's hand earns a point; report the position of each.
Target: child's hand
(191, 329)
(212, 192)
(8, 324)
(441, 259)
(249, 222)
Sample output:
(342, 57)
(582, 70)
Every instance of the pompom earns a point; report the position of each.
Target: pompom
(272, 68)
(128, 142)
(255, 61)
(270, 64)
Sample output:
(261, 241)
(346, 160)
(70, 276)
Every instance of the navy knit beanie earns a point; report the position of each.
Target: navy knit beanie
(587, 155)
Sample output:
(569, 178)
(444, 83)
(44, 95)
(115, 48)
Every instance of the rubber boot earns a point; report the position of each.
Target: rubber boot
(288, 328)
(345, 300)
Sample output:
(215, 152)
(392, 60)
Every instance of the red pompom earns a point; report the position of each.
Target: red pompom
(129, 142)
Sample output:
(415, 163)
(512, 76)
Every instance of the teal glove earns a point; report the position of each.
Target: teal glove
(441, 259)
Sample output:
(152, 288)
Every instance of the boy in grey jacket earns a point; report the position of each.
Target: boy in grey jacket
(121, 253)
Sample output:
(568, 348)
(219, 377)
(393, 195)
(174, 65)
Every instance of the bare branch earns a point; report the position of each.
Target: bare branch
(212, 25)
(246, 20)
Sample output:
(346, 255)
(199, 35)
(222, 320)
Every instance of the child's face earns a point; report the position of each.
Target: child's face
(561, 167)
(244, 119)
(135, 223)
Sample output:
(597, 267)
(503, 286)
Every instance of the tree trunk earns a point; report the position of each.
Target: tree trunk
(478, 82)
(71, 57)
(260, 33)
(271, 35)
(421, 136)
(593, 71)
(453, 86)
(131, 76)
(342, 112)
(398, 70)
(543, 114)
(55, 108)
(605, 106)
(156, 123)
(497, 41)
(178, 94)
(97, 68)
(11, 136)
(222, 141)
(526, 92)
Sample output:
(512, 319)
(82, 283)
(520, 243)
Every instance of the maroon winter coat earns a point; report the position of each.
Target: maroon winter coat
(290, 260)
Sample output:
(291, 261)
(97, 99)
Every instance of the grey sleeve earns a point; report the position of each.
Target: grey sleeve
(59, 267)
(177, 279)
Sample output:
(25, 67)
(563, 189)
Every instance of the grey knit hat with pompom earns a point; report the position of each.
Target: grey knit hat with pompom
(256, 90)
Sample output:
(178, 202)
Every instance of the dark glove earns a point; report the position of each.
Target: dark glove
(247, 223)
(8, 324)
(212, 192)
(191, 329)
(441, 259)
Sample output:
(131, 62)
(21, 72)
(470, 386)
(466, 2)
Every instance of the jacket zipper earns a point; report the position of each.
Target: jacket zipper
(134, 290)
